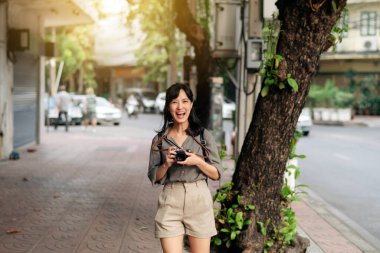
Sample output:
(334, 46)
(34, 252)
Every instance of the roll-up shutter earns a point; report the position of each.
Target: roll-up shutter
(25, 99)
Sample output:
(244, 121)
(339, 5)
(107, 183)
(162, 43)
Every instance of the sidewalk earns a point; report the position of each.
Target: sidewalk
(359, 121)
(368, 121)
(83, 192)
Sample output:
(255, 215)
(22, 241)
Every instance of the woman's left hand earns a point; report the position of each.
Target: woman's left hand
(192, 159)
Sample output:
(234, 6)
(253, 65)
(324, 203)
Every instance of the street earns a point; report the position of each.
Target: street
(342, 167)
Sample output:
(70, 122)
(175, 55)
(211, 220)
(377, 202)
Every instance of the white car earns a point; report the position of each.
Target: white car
(229, 107)
(304, 123)
(51, 112)
(107, 112)
(159, 104)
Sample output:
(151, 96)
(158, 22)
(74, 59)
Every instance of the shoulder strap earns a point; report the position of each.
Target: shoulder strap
(203, 142)
(159, 145)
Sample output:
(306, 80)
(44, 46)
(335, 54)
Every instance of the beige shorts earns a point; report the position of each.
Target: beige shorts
(185, 208)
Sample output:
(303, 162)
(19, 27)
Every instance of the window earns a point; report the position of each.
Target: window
(368, 23)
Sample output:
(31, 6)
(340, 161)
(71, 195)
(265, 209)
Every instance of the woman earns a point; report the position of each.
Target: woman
(185, 204)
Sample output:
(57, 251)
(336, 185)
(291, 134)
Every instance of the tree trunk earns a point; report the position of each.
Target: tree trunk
(199, 39)
(306, 27)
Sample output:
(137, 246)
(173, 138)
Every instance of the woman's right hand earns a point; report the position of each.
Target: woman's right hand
(170, 156)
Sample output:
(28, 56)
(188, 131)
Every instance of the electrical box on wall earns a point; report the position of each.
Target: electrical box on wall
(228, 27)
(254, 54)
(18, 39)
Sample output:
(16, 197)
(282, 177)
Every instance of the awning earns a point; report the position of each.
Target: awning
(56, 12)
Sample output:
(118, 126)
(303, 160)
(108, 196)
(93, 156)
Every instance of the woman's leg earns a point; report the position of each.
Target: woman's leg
(199, 245)
(172, 244)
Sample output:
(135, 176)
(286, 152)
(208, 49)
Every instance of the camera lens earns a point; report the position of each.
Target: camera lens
(180, 155)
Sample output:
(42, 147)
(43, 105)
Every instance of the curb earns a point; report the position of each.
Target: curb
(348, 228)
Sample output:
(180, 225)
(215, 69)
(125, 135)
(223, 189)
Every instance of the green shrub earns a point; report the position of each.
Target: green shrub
(329, 96)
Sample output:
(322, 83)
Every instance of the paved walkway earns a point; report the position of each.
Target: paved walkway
(83, 192)
(78, 193)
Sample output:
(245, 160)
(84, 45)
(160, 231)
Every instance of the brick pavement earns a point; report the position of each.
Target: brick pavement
(78, 193)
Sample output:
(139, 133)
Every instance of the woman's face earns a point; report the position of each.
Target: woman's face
(180, 108)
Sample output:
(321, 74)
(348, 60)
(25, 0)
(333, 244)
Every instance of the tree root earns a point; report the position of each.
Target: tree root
(300, 245)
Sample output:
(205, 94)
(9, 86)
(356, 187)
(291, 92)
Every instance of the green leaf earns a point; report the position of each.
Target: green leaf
(228, 243)
(229, 212)
(263, 229)
(286, 191)
(333, 5)
(247, 222)
(265, 90)
(281, 85)
(293, 83)
(269, 81)
(221, 221)
(238, 199)
(251, 207)
(268, 244)
(299, 156)
(217, 241)
(292, 166)
(297, 173)
(233, 235)
(225, 230)
(239, 220)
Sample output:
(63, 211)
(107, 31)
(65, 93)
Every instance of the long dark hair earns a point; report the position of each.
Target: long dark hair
(195, 125)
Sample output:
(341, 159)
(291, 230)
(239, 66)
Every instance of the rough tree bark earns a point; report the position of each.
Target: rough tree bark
(200, 40)
(306, 27)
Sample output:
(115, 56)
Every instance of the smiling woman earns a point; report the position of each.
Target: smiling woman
(183, 155)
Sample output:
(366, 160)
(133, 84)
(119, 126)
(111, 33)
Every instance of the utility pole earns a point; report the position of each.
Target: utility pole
(249, 81)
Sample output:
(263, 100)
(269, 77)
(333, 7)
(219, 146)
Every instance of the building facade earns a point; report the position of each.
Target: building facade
(22, 64)
(360, 48)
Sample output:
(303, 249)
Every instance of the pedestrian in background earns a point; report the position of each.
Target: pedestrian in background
(182, 157)
(89, 109)
(63, 104)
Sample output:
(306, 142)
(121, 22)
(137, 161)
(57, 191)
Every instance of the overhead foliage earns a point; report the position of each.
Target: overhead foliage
(75, 50)
(161, 38)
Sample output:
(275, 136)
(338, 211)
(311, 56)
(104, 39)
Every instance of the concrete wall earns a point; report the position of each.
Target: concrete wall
(6, 105)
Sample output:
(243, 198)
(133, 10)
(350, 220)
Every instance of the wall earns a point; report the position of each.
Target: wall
(6, 106)
(354, 41)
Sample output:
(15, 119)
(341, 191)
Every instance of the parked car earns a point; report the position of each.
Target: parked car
(146, 98)
(304, 123)
(105, 111)
(160, 102)
(51, 112)
(229, 107)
